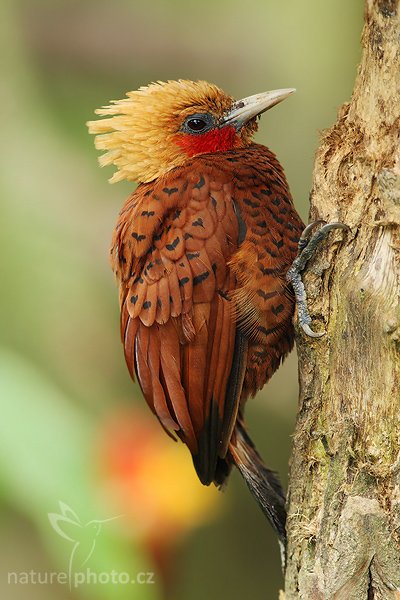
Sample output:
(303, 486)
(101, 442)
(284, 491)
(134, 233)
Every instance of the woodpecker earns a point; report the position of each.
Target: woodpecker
(201, 252)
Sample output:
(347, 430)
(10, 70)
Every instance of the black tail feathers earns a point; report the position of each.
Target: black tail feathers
(263, 484)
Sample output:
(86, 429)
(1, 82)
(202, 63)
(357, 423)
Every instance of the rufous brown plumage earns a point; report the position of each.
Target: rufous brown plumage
(200, 252)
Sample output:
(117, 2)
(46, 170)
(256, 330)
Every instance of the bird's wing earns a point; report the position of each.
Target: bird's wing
(171, 250)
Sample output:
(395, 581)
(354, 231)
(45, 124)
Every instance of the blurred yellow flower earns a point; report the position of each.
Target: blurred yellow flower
(152, 480)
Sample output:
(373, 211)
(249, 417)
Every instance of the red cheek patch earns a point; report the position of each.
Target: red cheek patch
(216, 140)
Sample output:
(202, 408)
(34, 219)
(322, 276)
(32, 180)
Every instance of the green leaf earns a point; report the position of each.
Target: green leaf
(47, 474)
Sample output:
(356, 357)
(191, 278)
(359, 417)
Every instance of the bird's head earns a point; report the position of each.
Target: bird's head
(158, 127)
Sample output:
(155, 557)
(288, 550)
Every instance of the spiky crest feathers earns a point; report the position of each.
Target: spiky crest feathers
(141, 134)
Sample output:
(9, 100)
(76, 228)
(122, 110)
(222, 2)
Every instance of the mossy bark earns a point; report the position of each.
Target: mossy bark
(344, 492)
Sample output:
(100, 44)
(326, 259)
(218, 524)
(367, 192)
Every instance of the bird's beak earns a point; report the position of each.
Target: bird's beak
(244, 110)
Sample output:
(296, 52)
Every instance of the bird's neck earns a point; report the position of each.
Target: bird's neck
(216, 140)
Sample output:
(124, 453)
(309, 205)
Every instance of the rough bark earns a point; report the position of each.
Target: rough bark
(344, 493)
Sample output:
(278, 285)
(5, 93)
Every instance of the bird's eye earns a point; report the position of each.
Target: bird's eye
(198, 123)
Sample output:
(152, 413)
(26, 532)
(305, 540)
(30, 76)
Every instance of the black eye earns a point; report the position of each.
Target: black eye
(198, 123)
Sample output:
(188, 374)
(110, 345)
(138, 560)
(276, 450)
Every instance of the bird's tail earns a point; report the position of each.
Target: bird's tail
(263, 484)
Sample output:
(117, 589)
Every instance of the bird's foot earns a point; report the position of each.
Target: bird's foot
(307, 245)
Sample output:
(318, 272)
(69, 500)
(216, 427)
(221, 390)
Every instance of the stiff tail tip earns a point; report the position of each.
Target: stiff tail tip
(262, 483)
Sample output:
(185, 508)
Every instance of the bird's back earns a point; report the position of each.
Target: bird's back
(206, 316)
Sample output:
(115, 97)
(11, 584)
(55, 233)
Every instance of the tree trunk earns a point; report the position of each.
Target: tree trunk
(344, 492)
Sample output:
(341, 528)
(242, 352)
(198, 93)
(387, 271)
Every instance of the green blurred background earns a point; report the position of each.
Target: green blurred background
(63, 378)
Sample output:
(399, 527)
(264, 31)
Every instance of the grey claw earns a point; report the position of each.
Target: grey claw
(335, 225)
(306, 247)
(305, 236)
(308, 243)
(307, 329)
